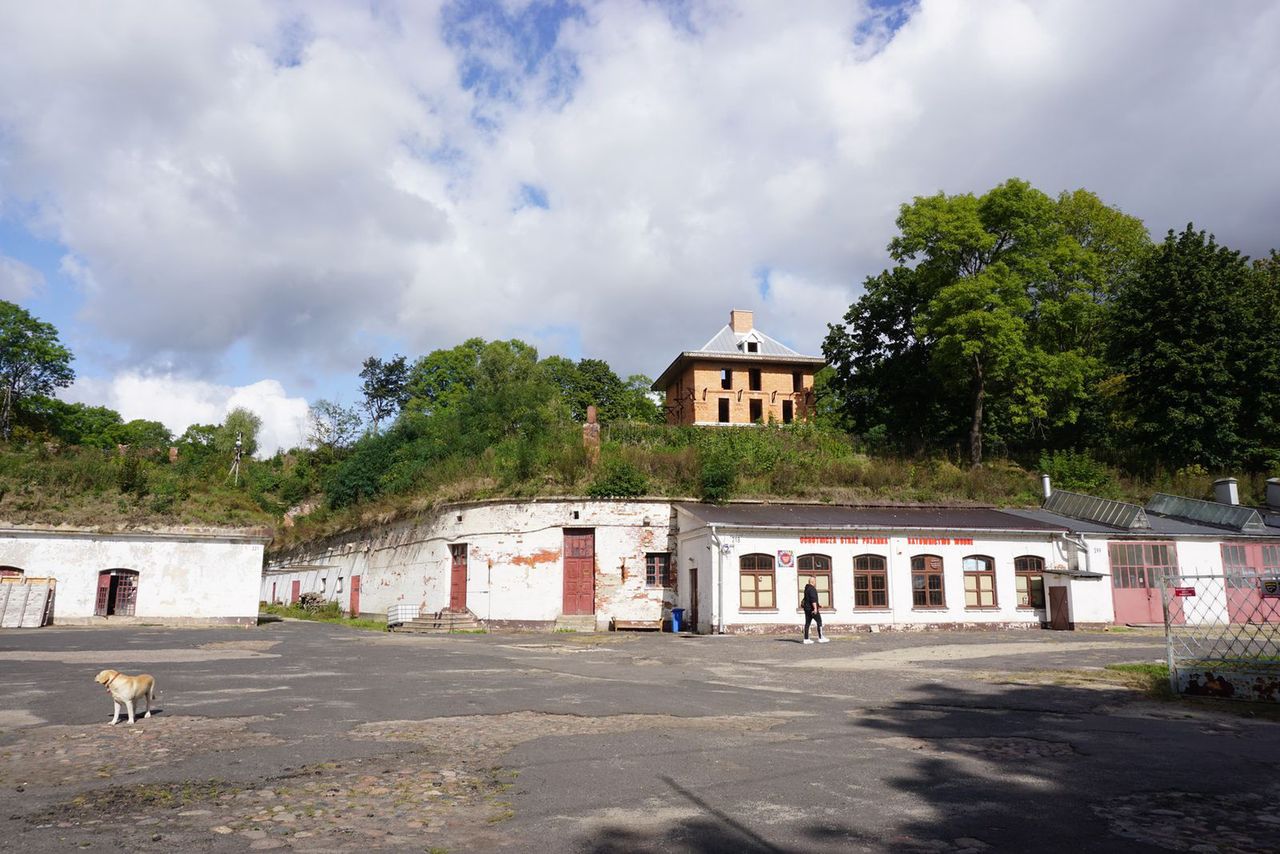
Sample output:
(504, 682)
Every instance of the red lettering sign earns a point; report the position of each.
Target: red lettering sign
(1183, 592)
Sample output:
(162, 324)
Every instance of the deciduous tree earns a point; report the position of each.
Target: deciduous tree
(32, 361)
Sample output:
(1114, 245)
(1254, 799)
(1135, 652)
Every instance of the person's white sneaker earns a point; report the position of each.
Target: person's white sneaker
(807, 640)
(823, 640)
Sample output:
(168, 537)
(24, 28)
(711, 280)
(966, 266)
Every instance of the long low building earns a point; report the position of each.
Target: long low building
(740, 567)
(171, 577)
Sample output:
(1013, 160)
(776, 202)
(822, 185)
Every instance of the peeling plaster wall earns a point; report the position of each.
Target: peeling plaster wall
(188, 581)
(515, 568)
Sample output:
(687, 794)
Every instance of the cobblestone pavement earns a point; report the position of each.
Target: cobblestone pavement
(315, 738)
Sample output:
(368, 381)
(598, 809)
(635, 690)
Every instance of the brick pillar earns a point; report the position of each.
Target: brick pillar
(591, 437)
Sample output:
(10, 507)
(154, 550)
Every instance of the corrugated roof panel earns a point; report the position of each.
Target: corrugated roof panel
(1230, 516)
(727, 341)
(830, 517)
(1089, 508)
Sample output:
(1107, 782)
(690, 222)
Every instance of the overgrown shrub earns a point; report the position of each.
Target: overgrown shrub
(317, 605)
(618, 478)
(718, 476)
(1078, 471)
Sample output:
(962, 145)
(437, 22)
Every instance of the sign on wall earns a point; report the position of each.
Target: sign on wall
(1270, 588)
(786, 558)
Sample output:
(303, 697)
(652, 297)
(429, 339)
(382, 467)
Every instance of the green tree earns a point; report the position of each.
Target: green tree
(385, 388)
(331, 425)
(1181, 339)
(443, 377)
(32, 361)
(240, 423)
(141, 433)
(1000, 297)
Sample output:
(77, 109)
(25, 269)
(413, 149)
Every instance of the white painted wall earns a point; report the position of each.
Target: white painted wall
(515, 569)
(181, 578)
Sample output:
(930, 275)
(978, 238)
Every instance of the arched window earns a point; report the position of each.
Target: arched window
(926, 582)
(755, 585)
(815, 570)
(117, 593)
(870, 582)
(10, 572)
(1029, 577)
(979, 582)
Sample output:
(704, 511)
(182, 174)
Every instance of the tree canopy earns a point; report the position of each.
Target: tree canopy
(32, 361)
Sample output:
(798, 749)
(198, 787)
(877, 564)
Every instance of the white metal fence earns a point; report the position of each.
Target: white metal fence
(1222, 634)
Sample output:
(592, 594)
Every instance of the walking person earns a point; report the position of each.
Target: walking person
(812, 612)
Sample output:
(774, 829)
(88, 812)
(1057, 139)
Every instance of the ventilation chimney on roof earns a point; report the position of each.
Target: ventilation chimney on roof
(1273, 494)
(1225, 491)
(740, 321)
(1046, 488)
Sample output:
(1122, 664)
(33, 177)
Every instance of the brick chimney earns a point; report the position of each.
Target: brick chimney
(740, 321)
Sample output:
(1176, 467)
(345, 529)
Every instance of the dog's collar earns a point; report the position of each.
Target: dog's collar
(112, 679)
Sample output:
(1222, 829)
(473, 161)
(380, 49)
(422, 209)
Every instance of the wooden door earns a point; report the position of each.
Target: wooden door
(579, 571)
(458, 578)
(355, 595)
(104, 593)
(1059, 614)
(295, 593)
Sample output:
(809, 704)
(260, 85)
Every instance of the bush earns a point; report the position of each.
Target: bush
(717, 479)
(618, 479)
(317, 605)
(1077, 471)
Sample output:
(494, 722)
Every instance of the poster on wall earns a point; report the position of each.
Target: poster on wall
(786, 558)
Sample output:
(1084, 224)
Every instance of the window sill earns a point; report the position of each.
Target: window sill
(982, 607)
(879, 609)
(938, 608)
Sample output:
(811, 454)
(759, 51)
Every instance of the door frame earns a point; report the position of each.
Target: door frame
(458, 566)
(585, 568)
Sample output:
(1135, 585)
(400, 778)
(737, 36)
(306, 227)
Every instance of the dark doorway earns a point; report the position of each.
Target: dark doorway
(724, 410)
(117, 593)
(579, 571)
(757, 411)
(458, 577)
(788, 412)
(693, 599)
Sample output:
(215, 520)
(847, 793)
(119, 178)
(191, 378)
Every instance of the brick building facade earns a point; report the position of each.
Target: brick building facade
(740, 376)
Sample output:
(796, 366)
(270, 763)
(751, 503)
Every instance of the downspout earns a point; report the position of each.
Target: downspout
(1083, 546)
(719, 565)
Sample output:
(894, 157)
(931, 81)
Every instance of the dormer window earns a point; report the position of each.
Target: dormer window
(753, 347)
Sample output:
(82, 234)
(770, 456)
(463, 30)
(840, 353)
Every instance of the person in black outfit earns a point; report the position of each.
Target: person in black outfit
(812, 613)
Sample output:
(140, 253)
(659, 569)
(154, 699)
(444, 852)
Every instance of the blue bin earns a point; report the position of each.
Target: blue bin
(677, 617)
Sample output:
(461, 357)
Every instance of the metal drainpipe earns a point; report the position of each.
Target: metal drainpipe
(1083, 546)
(719, 615)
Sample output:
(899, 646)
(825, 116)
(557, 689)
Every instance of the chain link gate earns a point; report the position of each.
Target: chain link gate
(1222, 634)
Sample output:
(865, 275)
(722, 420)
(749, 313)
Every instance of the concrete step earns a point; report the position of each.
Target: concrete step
(576, 623)
(443, 622)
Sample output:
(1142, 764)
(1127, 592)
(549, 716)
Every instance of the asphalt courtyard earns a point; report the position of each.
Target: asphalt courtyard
(309, 737)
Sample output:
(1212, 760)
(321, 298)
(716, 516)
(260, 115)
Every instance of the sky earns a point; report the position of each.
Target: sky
(234, 203)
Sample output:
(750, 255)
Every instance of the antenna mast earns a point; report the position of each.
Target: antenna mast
(234, 474)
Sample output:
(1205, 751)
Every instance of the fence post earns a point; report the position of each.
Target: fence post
(1168, 631)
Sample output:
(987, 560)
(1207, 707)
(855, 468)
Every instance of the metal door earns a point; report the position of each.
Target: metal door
(355, 595)
(458, 577)
(126, 597)
(579, 571)
(1059, 613)
(295, 593)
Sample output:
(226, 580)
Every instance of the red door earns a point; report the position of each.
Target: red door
(355, 595)
(1137, 573)
(579, 571)
(458, 578)
(104, 593)
(1242, 580)
(295, 592)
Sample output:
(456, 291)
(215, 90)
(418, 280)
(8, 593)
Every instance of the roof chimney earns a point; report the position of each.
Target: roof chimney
(1273, 494)
(740, 321)
(1225, 491)
(1045, 488)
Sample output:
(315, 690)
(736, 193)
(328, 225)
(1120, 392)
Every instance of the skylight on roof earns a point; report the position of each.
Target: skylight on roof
(1089, 508)
(1207, 512)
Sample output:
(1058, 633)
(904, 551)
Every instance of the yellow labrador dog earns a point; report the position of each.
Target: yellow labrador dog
(127, 689)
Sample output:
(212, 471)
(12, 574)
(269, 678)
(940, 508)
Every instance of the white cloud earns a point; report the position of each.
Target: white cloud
(178, 403)
(18, 281)
(210, 193)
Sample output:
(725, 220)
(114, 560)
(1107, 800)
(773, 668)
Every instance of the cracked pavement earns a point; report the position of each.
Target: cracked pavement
(312, 737)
